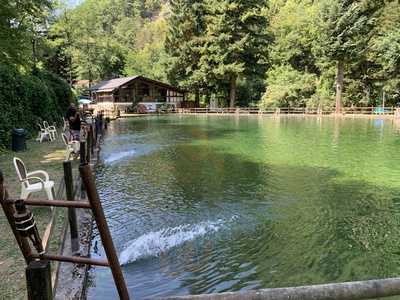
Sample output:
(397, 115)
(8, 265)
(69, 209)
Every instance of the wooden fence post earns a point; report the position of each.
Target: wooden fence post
(88, 145)
(69, 191)
(93, 142)
(38, 280)
(82, 153)
(9, 211)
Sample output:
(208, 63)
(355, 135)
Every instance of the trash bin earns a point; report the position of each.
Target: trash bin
(18, 141)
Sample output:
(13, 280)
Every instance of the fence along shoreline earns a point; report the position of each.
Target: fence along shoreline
(378, 111)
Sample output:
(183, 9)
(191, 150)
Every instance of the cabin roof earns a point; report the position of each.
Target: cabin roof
(112, 84)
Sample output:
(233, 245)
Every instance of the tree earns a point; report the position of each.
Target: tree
(59, 48)
(149, 57)
(184, 44)
(345, 30)
(288, 87)
(20, 21)
(292, 26)
(384, 53)
(236, 41)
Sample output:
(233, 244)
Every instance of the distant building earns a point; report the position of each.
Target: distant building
(121, 93)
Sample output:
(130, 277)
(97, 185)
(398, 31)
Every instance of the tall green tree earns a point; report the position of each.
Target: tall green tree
(184, 44)
(345, 28)
(384, 53)
(293, 72)
(59, 58)
(236, 41)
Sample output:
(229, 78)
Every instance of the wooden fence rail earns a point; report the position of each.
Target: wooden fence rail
(290, 110)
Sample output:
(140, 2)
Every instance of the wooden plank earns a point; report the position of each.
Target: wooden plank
(49, 230)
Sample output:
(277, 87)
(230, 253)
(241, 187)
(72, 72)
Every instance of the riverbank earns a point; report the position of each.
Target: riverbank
(46, 156)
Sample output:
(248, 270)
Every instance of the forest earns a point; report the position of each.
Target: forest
(276, 53)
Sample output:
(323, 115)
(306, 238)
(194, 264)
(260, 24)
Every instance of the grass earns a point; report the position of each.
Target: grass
(46, 156)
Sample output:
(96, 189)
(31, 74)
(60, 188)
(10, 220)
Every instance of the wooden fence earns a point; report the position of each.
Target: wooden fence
(34, 247)
(291, 110)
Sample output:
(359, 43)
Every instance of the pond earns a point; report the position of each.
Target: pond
(203, 204)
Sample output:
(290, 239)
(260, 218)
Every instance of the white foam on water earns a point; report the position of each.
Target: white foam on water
(155, 243)
(120, 155)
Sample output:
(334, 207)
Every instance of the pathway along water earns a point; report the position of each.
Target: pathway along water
(201, 204)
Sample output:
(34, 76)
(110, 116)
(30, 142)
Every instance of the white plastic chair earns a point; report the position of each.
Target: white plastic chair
(65, 125)
(27, 185)
(43, 134)
(72, 147)
(51, 129)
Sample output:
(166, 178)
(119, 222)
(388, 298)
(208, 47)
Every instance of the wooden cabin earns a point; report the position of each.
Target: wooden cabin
(128, 92)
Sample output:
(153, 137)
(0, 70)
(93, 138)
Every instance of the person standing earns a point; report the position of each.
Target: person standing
(74, 120)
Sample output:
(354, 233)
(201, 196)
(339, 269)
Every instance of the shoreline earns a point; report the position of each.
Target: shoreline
(363, 116)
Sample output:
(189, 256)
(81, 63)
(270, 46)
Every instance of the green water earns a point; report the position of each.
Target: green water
(201, 204)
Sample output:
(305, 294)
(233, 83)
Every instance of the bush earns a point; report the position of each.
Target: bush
(287, 87)
(28, 99)
(60, 91)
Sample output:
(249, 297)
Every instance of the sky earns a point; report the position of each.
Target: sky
(72, 3)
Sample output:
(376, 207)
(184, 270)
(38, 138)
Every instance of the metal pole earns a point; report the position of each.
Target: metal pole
(38, 280)
(383, 100)
(73, 223)
(73, 259)
(97, 209)
(9, 211)
(46, 202)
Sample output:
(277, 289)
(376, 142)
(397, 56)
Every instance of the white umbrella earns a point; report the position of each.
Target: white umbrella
(85, 101)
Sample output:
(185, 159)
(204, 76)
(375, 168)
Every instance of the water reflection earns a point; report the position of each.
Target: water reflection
(224, 204)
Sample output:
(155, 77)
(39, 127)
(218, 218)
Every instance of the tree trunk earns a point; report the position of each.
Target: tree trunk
(90, 82)
(232, 93)
(197, 99)
(339, 85)
(70, 71)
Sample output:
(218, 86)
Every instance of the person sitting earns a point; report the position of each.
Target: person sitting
(74, 120)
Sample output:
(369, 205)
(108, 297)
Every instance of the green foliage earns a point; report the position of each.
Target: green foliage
(149, 58)
(250, 90)
(216, 49)
(112, 38)
(26, 99)
(214, 43)
(21, 22)
(293, 28)
(346, 27)
(185, 44)
(323, 97)
(288, 87)
(312, 36)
